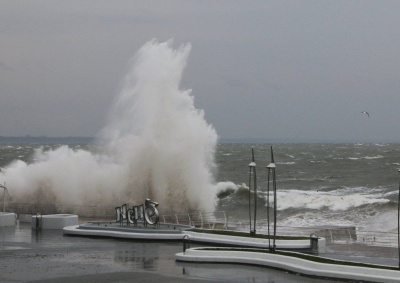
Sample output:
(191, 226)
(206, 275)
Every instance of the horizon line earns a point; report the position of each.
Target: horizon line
(88, 139)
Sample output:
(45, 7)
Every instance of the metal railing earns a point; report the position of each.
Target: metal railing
(206, 220)
(92, 211)
(218, 220)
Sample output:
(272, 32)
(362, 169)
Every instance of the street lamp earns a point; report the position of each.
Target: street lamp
(271, 171)
(252, 172)
(398, 223)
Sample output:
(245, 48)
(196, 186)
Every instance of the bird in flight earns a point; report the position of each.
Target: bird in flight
(365, 112)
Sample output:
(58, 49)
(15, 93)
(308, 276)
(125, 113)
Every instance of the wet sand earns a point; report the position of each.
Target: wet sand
(49, 256)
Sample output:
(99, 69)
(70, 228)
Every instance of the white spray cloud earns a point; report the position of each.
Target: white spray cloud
(158, 146)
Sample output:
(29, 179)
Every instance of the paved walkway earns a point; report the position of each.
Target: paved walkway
(49, 256)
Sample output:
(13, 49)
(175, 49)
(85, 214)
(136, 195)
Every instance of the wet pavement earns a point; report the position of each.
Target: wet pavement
(48, 256)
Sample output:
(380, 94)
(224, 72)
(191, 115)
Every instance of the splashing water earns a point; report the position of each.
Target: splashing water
(159, 146)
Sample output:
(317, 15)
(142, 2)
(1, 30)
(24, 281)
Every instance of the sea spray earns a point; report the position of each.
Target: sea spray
(158, 146)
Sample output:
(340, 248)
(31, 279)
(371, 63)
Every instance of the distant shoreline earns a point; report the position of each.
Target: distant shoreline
(273, 141)
(93, 140)
(46, 140)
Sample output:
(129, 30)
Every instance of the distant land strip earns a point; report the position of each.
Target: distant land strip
(94, 140)
(46, 140)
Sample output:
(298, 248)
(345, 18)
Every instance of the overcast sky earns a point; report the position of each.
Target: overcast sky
(259, 69)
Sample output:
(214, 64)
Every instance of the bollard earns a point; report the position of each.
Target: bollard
(186, 240)
(314, 243)
(38, 223)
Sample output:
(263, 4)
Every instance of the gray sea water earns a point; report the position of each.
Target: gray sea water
(317, 184)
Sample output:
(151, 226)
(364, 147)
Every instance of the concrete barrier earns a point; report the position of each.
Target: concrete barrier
(292, 264)
(7, 219)
(112, 233)
(255, 242)
(53, 221)
(90, 229)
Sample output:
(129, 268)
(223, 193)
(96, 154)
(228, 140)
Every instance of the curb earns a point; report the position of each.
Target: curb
(291, 264)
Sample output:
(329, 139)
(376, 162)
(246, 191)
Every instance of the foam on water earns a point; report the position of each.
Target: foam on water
(159, 146)
(321, 199)
(385, 221)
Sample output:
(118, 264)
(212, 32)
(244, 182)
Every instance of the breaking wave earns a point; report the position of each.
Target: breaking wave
(158, 146)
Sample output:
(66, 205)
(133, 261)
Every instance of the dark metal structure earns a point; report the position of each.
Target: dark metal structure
(253, 181)
(271, 175)
(398, 224)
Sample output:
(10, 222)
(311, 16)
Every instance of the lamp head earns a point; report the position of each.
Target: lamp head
(252, 164)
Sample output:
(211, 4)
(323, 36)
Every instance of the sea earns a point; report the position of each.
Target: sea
(318, 185)
(353, 186)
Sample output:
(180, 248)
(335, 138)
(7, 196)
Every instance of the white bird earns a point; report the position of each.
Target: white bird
(365, 112)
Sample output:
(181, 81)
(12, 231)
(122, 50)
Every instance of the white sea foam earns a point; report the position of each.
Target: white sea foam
(318, 161)
(225, 186)
(385, 221)
(320, 199)
(309, 219)
(367, 157)
(160, 147)
(373, 157)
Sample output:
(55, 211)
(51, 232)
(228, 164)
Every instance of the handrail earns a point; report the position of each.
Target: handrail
(220, 220)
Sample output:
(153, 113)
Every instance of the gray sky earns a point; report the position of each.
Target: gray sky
(259, 69)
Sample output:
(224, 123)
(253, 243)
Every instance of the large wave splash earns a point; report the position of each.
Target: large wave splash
(158, 145)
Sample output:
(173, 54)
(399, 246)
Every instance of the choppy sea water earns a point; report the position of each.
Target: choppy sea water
(352, 185)
(317, 184)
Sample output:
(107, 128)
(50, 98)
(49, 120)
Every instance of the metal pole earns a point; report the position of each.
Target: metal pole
(250, 196)
(252, 171)
(255, 193)
(271, 170)
(269, 238)
(398, 224)
(275, 206)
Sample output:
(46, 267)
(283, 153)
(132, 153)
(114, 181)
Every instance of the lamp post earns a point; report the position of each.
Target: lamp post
(271, 171)
(252, 172)
(398, 223)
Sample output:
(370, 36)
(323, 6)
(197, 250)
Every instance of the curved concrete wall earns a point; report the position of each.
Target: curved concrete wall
(292, 264)
(132, 233)
(254, 242)
(74, 230)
